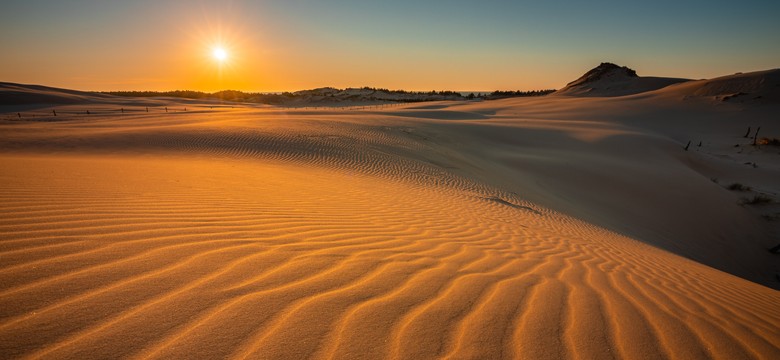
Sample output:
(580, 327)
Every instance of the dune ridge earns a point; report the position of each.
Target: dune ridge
(609, 79)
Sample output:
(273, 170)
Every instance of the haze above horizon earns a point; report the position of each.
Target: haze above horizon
(455, 45)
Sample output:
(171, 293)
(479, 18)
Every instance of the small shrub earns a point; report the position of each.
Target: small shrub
(768, 141)
(757, 200)
(771, 217)
(738, 187)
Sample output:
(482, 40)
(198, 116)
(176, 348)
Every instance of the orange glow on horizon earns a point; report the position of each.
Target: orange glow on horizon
(216, 56)
(297, 45)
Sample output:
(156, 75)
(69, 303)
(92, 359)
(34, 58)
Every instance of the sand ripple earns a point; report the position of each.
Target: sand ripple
(243, 242)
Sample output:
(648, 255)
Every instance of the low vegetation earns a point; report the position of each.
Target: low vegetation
(769, 141)
(738, 187)
(375, 94)
(757, 200)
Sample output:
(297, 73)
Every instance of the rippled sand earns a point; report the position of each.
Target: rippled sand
(384, 233)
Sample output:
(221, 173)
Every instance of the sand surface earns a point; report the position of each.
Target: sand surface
(540, 228)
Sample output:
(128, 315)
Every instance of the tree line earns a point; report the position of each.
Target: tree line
(277, 98)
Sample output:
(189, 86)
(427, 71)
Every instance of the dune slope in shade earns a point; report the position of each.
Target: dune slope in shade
(189, 256)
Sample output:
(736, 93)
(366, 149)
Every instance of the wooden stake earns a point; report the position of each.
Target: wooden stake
(755, 138)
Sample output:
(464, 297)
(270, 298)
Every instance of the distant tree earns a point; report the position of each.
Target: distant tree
(498, 94)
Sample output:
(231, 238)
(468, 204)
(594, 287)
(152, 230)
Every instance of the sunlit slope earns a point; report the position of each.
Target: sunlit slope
(524, 228)
(190, 256)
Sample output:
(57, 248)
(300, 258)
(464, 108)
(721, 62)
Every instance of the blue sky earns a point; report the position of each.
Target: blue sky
(462, 45)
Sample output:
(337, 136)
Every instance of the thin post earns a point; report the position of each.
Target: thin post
(54, 112)
(686, 146)
(747, 133)
(755, 138)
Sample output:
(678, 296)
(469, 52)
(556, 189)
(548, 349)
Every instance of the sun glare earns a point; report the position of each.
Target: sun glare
(219, 54)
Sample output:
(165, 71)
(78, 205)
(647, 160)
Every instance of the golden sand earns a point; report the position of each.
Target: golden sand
(276, 234)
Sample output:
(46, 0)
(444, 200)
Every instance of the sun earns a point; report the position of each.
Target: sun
(219, 54)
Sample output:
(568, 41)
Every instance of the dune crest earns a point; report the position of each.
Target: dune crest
(609, 79)
(758, 87)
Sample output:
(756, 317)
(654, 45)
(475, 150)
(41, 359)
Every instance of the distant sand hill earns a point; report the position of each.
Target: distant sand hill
(618, 218)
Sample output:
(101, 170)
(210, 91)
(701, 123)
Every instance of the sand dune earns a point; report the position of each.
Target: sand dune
(755, 87)
(19, 94)
(545, 228)
(608, 80)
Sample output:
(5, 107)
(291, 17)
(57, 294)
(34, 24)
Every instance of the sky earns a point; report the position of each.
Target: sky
(288, 45)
